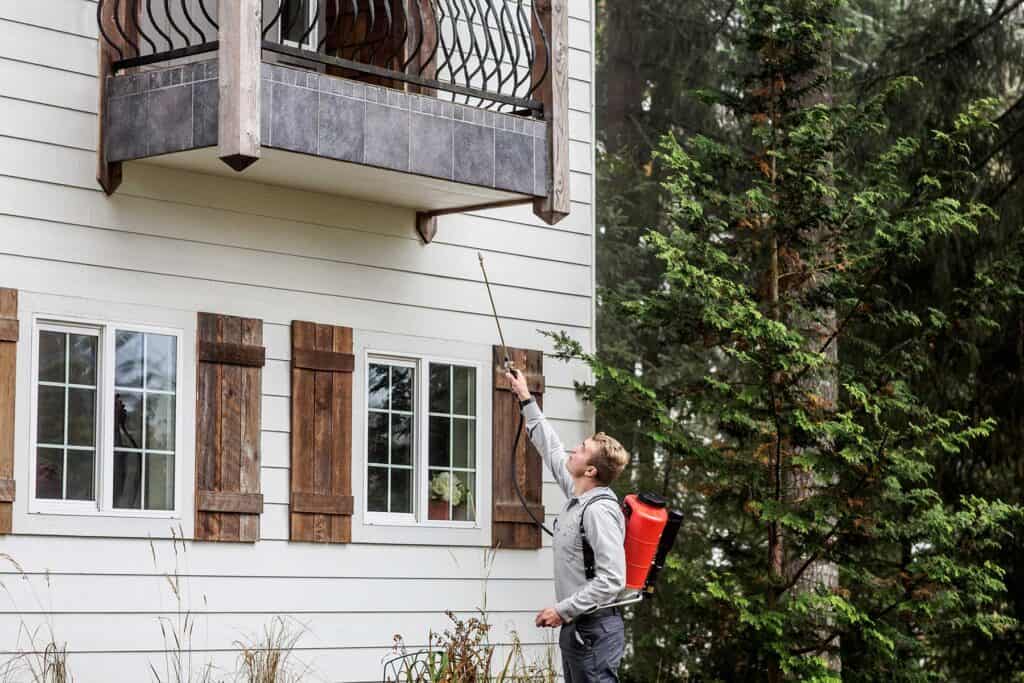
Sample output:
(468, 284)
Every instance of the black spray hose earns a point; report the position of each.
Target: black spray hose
(515, 479)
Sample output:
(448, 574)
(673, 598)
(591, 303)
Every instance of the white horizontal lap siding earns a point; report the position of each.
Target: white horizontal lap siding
(76, 17)
(92, 557)
(322, 630)
(226, 593)
(182, 241)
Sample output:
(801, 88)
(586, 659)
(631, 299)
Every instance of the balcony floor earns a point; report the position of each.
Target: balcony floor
(318, 174)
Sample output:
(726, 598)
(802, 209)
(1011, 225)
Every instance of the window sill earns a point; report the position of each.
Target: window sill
(409, 521)
(88, 509)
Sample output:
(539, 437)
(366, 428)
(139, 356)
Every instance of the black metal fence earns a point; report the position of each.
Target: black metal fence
(489, 53)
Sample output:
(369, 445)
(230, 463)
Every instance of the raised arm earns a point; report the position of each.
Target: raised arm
(543, 436)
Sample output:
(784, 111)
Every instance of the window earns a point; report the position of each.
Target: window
(298, 23)
(421, 441)
(452, 442)
(105, 418)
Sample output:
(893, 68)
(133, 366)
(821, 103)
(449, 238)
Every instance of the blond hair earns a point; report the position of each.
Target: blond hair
(609, 458)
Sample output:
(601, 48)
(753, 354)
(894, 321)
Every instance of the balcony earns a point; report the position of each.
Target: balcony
(438, 105)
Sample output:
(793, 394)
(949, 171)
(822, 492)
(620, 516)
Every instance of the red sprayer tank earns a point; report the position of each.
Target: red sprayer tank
(646, 516)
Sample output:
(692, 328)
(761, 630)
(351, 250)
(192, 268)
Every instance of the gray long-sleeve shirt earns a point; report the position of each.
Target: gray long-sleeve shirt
(604, 523)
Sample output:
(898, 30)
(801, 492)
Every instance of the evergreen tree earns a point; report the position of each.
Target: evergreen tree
(785, 240)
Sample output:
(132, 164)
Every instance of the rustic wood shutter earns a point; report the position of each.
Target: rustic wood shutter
(321, 468)
(228, 403)
(511, 526)
(8, 348)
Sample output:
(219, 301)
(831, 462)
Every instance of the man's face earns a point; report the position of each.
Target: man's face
(578, 463)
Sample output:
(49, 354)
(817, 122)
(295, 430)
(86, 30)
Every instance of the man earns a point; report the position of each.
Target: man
(591, 639)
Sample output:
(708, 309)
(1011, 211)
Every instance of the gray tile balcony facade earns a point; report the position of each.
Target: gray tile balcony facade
(175, 109)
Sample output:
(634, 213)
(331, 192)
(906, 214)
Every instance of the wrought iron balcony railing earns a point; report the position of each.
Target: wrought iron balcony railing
(491, 54)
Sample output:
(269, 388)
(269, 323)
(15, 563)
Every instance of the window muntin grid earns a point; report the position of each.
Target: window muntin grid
(391, 437)
(67, 394)
(451, 439)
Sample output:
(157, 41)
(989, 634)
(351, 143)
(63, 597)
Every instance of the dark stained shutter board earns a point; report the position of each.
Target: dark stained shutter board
(511, 527)
(232, 354)
(8, 354)
(321, 445)
(228, 420)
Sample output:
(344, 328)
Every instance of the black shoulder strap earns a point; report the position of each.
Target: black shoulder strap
(588, 551)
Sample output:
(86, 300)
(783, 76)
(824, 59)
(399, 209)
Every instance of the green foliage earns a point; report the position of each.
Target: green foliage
(782, 398)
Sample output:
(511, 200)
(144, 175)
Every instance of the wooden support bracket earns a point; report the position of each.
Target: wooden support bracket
(238, 52)
(426, 221)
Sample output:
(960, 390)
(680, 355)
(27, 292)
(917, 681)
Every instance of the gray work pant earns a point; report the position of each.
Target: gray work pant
(592, 649)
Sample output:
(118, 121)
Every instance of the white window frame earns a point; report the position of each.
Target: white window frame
(104, 463)
(313, 37)
(421, 468)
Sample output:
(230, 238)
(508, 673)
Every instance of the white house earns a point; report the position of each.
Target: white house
(291, 366)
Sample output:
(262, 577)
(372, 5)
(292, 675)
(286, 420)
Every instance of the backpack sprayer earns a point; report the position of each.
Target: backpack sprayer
(651, 528)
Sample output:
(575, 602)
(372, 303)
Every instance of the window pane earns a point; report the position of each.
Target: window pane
(401, 490)
(128, 419)
(464, 391)
(439, 442)
(377, 384)
(49, 473)
(51, 356)
(377, 438)
(401, 388)
(465, 510)
(440, 388)
(159, 482)
(377, 489)
(128, 361)
(81, 417)
(83, 359)
(159, 422)
(161, 362)
(295, 19)
(127, 480)
(81, 470)
(464, 446)
(401, 440)
(50, 427)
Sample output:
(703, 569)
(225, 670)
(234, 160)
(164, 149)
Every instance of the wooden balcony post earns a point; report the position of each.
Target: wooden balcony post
(553, 18)
(109, 175)
(239, 52)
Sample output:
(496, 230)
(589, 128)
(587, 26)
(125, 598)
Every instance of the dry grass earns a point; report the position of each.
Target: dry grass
(270, 658)
(178, 631)
(41, 657)
(464, 653)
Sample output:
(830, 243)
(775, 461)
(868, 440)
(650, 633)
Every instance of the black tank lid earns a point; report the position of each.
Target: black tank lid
(652, 499)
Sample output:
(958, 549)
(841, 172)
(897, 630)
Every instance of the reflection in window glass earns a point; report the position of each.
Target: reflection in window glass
(145, 423)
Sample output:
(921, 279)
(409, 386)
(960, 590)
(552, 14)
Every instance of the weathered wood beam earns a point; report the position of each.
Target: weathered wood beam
(109, 175)
(8, 366)
(238, 54)
(552, 21)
